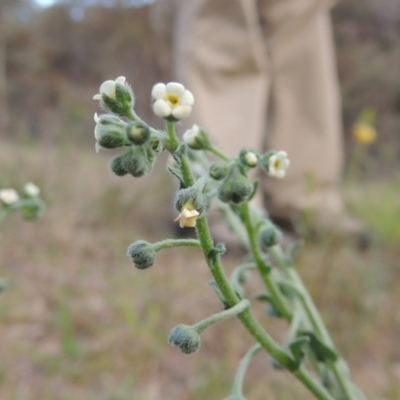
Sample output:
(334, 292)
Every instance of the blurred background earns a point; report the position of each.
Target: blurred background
(77, 322)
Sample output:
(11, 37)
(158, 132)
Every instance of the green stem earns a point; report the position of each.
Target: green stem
(218, 273)
(263, 269)
(212, 149)
(221, 316)
(237, 389)
(314, 317)
(184, 165)
(169, 243)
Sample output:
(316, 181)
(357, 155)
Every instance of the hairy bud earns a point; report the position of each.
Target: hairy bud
(270, 235)
(185, 338)
(142, 254)
(137, 133)
(219, 170)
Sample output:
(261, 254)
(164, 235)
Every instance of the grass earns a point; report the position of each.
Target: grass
(77, 322)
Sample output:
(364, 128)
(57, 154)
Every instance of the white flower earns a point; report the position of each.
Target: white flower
(188, 216)
(278, 163)
(108, 88)
(31, 190)
(190, 136)
(172, 99)
(8, 196)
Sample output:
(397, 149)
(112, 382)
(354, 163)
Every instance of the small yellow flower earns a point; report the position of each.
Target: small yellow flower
(364, 133)
(188, 216)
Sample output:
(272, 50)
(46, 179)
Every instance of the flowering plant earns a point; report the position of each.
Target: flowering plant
(29, 202)
(308, 351)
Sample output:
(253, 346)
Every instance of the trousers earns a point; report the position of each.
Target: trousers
(263, 74)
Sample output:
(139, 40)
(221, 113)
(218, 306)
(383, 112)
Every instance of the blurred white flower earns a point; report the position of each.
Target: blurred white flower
(278, 163)
(31, 190)
(108, 88)
(8, 196)
(172, 100)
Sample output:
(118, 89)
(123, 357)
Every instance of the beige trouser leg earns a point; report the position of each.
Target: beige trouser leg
(220, 55)
(306, 118)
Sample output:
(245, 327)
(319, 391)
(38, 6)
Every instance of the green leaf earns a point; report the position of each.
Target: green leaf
(297, 348)
(321, 351)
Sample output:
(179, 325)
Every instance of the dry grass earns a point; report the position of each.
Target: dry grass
(78, 322)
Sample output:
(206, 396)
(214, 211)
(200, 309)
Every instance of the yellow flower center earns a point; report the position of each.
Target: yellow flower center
(277, 164)
(172, 99)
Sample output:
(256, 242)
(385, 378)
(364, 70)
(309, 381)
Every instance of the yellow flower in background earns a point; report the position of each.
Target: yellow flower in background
(364, 133)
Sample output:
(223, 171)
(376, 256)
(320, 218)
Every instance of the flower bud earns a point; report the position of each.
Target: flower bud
(196, 138)
(116, 166)
(192, 196)
(237, 189)
(137, 133)
(116, 96)
(248, 157)
(270, 235)
(219, 170)
(109, 132)
(142, 254)
(185, 338)
(137, 162)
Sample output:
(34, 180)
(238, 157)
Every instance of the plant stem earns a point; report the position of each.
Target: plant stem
(218, 273)
(314, 317)
(277, 297)
(169, 243)
(221, 316)
(241, 371)
(218, 152)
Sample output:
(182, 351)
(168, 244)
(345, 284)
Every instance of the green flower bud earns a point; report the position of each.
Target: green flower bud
(248, 157)
(137, 133)
(137, 161)
(196, 138)
(142, 254)
(236, 190)
(185, 338)
(109, 132)
(116, 166)
(270, 235)
(219, 170)
(116, 96)
(193, 198)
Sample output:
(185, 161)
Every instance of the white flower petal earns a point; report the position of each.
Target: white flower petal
(96, 118)
(108, 88)
(181, 111)
(97, 96)
(161, 108)
(187, 98)
(159, 91)
(121, 80)
(175, 88)
(97, 132)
